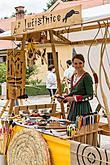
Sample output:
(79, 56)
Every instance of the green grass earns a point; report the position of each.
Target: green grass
(38, 90)
(34, 91)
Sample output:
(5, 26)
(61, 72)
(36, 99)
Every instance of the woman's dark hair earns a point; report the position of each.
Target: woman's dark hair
(51, 67)
(79, 56)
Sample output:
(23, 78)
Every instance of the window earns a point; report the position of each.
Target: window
(50, 58)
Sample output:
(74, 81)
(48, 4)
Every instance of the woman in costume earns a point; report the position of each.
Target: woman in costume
(81, 90)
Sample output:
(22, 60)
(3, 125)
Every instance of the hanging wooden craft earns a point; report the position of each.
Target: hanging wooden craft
(42, 55)
(31, 53)
(16, 73)
(43, 37)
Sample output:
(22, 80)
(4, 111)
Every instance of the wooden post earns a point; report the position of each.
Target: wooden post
(57, 70)
(24, 41)
(11, 106)
(22, 48)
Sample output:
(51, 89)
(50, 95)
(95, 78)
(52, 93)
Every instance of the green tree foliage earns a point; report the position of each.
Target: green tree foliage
(29, 71)
(14, 14)
(49, 4)
(31, 75)
(2, 72)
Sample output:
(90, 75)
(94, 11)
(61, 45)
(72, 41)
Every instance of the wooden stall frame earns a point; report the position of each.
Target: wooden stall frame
(62, 20)
(37, 107)
(73, 27)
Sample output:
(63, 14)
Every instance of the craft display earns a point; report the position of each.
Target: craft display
(85, 129)
(28, 147)
(39, 121)
(33, 54)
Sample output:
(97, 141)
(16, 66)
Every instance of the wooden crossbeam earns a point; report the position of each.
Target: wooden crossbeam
(35, 107)
(82, 27)
(61, 37)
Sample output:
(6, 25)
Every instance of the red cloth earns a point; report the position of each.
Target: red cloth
(78, 98)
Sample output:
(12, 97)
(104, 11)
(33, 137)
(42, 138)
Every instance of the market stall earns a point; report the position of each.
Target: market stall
(59, 134)
(61, 150)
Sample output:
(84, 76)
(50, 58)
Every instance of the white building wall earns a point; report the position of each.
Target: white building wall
(95, 54)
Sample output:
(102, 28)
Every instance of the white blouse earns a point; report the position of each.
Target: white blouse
(51, 82)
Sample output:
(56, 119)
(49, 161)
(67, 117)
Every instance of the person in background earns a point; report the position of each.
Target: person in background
(51, 83)
(67, 79)
(81, 90)
(67, 75)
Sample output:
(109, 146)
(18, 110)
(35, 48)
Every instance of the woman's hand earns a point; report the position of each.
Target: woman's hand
(69, 99)
(60, 100)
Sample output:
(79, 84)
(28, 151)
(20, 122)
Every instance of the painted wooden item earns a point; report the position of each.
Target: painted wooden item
(51, 20)
(83, 154)
(16, 73)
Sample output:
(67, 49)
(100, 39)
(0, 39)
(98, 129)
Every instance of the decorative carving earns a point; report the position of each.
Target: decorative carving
(15, 73)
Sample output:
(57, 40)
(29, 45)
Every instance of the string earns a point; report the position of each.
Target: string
(106, 46)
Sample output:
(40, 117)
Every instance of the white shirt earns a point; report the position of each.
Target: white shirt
(51, 82)
(69, 72)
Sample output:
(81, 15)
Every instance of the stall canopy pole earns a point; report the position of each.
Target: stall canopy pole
(23, 41)
(57, 70)
(22, 48)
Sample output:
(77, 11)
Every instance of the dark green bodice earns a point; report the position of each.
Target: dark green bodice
(84, 89)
